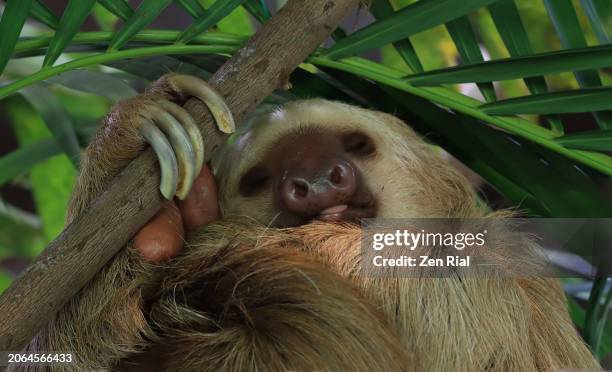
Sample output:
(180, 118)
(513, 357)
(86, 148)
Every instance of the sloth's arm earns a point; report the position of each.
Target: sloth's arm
(105, 320)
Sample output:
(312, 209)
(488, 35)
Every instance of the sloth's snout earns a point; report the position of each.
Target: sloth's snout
(308, 192)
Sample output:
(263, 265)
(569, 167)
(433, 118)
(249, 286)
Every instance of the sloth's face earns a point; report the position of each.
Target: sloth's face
(313, 173)
(321, 160)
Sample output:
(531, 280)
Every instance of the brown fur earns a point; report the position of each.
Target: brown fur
(244, 297)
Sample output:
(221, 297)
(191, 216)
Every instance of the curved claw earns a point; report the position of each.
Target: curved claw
(182, 147)
(191, 128)
(165, 155)
(198, 88)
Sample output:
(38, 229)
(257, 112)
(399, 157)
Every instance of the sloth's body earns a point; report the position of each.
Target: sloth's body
(245, 296)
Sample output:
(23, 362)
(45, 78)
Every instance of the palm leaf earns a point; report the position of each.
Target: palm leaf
(568, 28)
(578, 316)
(596, 314)
(258, 9)
(408, 21)
(97, 59)
(212, 15)
(5, 280)
(148, 37)
(579, 100)
(144, 14)
(104, 85)
(75, 14)
(512, 31)
(521, 67)
(51, 182)
(56, 119)
(381, 10)
(510, 27)
(463, 35)
(193, 7)
(151, 68)
(43, 14)
(23, 159)
(600, 14)
(593, 140)
(13, 18)
(120, 8)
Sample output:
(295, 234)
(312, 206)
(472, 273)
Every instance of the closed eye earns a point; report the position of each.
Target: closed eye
(358, 143)
(254, 181)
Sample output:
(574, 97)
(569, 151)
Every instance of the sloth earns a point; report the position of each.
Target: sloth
(269, 276)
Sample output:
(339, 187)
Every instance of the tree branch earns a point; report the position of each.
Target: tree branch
(94, 237)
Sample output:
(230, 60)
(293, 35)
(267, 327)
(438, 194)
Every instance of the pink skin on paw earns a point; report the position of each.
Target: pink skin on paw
(202, 204)
(163, 236)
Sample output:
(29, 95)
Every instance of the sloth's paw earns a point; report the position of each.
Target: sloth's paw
(174, 135)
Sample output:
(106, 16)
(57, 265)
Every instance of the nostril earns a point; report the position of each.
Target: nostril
(337, 175)
(300, 188)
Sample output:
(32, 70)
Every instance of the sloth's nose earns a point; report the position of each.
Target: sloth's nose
(307, 192)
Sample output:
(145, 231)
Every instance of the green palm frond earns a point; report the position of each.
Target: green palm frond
(212, 15)
(193, 7)
(391, 26)
(577, 57)
(406, 22)
(147, 11)
(72, 20)
(383, 10)
(43, 14)
(120, 8)
(13, 18)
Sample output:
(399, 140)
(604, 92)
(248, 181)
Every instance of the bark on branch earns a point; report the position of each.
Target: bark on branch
(77, 254)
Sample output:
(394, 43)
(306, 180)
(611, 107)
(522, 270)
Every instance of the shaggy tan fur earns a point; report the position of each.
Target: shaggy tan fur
(244, 297)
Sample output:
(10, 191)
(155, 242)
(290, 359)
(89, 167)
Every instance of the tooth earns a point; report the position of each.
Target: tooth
(165, 155)
(191, 128)
(198, 88)
(181, 146)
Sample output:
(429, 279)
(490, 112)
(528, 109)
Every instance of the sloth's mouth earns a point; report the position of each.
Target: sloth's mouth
(346, 212)
(338, 213)
(361, 205)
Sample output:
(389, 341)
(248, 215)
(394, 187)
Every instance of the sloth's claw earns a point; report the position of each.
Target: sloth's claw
(198, 88)
(190, 127)
(176, 138)
(165, 156)
(183, 150)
